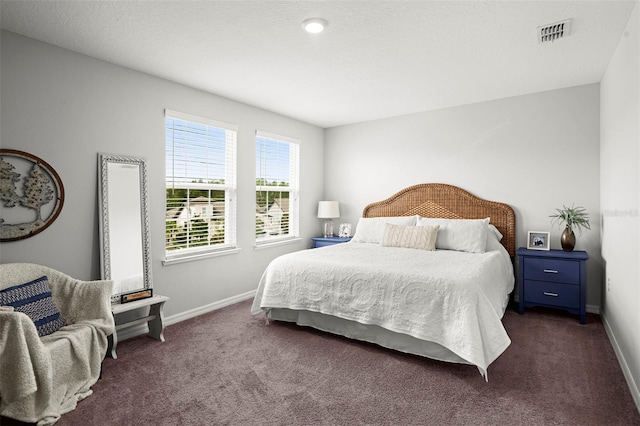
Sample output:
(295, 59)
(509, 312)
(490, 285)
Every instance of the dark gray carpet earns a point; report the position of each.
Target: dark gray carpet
(229, 368)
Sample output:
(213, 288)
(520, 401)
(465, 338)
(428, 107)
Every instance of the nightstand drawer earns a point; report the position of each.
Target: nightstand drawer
(547, 293)
(552, 270)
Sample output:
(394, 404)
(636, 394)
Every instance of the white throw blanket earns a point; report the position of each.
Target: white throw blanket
(455, 299)
(43, 378)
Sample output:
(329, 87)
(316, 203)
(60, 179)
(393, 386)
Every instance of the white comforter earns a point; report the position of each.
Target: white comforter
(455, 299)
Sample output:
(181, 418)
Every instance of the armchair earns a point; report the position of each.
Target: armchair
(44, 376)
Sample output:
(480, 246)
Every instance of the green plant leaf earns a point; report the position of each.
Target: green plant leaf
(572, 217)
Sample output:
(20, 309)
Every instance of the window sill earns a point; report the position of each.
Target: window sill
(199, 256)
(270, 244)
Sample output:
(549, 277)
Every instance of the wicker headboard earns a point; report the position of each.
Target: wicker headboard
(447, 201)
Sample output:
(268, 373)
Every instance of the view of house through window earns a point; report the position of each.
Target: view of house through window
(277, 159)
(200, 185)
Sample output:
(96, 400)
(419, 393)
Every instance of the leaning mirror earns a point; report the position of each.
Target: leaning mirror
(124, 224)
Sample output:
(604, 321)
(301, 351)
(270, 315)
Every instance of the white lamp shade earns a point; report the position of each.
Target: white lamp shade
(328, 209)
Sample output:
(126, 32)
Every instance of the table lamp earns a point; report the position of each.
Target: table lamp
(328, 210)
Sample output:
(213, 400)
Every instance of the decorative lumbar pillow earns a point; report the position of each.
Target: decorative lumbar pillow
(34, 299)
(459, 234)
(415, 237)
(371, 229)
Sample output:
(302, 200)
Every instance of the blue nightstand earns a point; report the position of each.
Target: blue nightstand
(328, 241)
(554, 278)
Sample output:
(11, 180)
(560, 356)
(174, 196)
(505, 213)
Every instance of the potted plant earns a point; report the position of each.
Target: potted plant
(572, 218)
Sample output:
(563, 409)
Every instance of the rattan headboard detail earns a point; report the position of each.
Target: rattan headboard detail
(447, 201)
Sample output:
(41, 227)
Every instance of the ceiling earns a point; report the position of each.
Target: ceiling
(376, 59)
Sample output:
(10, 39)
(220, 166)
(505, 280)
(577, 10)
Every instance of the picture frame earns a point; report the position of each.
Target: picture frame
(344, 231)
(137, 295)
(538, 240)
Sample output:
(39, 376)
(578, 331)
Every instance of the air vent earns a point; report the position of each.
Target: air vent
(553, 32)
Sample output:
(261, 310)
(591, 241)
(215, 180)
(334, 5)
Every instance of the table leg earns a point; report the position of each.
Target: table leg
(112, 342)
(156, 325)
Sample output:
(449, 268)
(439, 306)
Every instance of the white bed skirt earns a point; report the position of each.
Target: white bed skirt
(367, 333)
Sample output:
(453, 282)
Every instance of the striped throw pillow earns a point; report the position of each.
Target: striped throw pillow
(34, 299)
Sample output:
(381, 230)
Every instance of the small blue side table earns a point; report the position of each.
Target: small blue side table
(554, 279)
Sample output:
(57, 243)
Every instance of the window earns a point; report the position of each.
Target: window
(200, 185)
(277, 164)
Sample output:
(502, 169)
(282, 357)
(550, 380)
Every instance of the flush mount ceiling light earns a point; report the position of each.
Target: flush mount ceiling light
(314, 25)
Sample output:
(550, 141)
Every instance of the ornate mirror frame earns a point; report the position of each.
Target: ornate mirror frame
(118, 239)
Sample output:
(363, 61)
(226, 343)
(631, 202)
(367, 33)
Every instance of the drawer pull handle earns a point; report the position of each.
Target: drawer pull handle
(548, 293)
(550, 271)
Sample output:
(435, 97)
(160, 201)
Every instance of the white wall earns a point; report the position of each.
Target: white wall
(66, 108)
(620, 199)
(533, 152)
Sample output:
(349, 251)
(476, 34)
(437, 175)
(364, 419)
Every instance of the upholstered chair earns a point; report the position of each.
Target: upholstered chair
(53, 339)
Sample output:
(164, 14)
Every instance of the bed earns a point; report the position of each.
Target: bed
(444, 301)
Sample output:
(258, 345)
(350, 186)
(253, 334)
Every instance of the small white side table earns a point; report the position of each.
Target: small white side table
(154, 320)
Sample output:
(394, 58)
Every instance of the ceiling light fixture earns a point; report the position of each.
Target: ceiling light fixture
(314, 25)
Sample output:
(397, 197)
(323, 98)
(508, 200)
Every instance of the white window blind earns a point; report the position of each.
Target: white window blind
(277, 187)
(200, 185)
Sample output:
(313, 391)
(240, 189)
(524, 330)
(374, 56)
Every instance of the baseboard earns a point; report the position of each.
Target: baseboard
(633, 386)
(208, 308)
(592, 309)
(138, 330)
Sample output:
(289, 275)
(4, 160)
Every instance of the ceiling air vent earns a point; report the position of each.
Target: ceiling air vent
(553, 32)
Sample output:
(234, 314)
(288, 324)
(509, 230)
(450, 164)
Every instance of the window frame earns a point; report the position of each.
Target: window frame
(293, 188)
(229, 187)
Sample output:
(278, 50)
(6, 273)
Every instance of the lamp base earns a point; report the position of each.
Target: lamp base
(328, 228)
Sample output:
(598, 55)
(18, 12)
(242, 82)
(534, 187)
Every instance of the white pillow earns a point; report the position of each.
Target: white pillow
(493, 232)
(493, 244)
(493, 237)
(415, 237)
(371, 229)
(459, 234)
